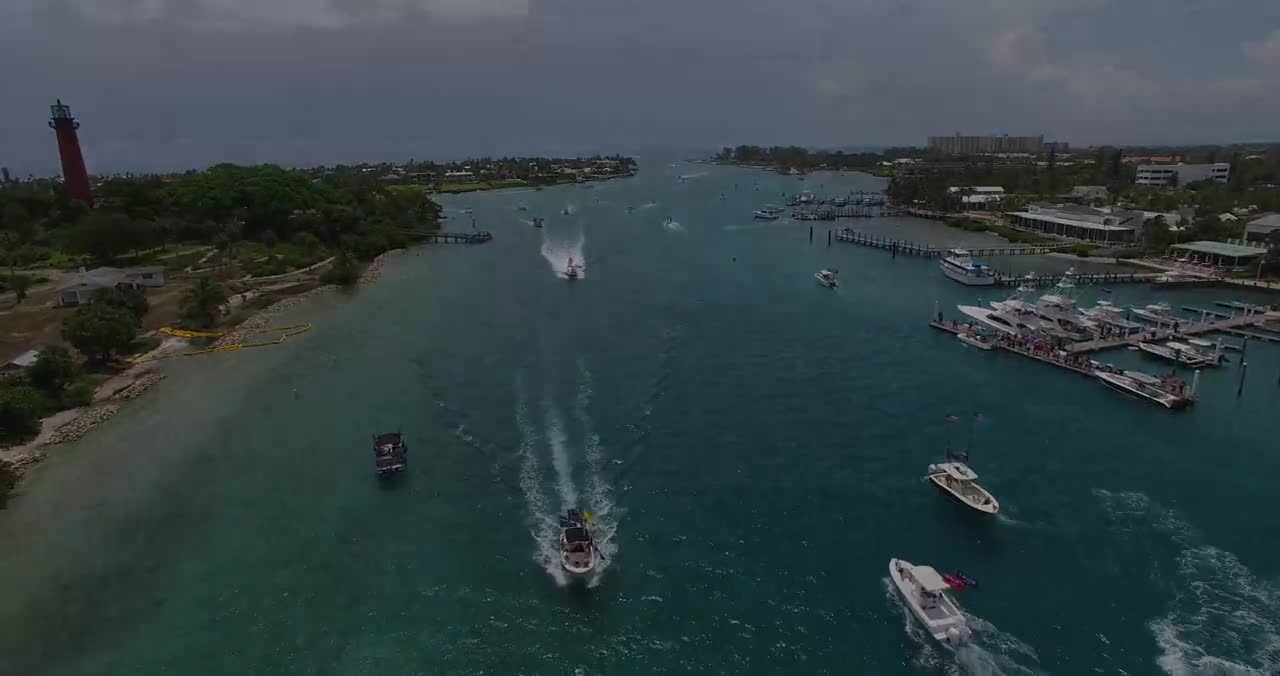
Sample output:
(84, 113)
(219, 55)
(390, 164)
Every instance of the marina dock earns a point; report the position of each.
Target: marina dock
(1231, 325)
(925, 250)
(441, 237)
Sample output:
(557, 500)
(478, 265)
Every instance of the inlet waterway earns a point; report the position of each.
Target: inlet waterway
(751, 443)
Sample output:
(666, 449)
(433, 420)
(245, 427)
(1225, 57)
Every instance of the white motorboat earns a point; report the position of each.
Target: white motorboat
(1214, 358)
(1189, 357)
(577, 548)
(827, 278)
(764, 215)
(1105, 313)
(1157, 313)
(925, 593)
(572, 270)
(1004, 321)
(1059, 308)
(976, 340)
(1141, 389)
(772, 209)
(959, 266)
(956, 480)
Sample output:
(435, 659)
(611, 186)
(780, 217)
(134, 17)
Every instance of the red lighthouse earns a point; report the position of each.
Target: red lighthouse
(74, 175)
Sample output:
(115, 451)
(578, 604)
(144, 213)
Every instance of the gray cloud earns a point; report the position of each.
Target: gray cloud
(174, 84)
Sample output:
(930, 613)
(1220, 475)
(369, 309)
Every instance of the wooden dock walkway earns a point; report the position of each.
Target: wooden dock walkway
(925, 250)
(1185, 328)
(439, 236)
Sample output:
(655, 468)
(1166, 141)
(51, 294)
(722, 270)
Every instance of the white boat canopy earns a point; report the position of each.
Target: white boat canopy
(929, 579)
(958, 471)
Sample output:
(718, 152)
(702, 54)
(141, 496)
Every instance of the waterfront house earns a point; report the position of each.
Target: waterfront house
(81, 288)
(1087, 224)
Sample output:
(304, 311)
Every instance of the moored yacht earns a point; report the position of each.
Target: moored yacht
(577, 547)
(827, 278)
(1141, 389)
(959, 266)
(1158, 313)
(925, 593)
(1010, 321)
(1187, 357)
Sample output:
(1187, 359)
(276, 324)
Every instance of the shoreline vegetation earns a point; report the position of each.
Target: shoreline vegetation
(234, 247)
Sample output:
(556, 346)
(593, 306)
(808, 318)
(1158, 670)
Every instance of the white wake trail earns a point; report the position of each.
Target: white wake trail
(560, 460)
(605, 514)
(558, 252)
(543, 522)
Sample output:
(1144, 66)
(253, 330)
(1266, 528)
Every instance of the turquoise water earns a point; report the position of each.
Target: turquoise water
(752, 444)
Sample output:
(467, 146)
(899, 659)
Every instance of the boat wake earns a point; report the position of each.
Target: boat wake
(543, 521)
(599, 499)
(570, 210)
(699, 174)
(1222, 618)
(648, 205)
(560, 461)
(991, 652)
(672, 226)
(558, 253)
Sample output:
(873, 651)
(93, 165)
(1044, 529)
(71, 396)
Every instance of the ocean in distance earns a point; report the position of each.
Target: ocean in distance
(752, 443)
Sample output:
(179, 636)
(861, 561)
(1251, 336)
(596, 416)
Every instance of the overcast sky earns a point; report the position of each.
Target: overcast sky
(164, 84)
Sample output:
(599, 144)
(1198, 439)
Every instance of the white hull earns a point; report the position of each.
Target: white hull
(974, 342)
(1132, 388)
(995, 320)
(966, 279)
(829, 282)
(979, 501)
(577, 570)
(945, 622)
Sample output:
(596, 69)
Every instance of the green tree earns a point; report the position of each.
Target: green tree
(99, 330)
(343, 272)
(269, 239)
(1156, 235)
(309, 243)
(21, 407)
(55, 369)
(202, 303)
(19, 284)
(133, 301)
(101, 235)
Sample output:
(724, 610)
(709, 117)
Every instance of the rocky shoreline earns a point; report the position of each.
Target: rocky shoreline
(73, 424)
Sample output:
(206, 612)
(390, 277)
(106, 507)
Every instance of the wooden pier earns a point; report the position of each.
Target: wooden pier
(1230, 325)
(929, 251)
(441, 237)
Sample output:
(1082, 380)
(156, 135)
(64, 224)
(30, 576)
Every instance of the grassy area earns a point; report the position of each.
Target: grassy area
(261, 261)
(1012, 234)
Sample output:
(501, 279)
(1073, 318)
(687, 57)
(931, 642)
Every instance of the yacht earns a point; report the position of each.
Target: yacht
(1009, 321)
(765, 215)
(961, 484)
(1108, 314)
(960, 266)
(827, 278)
(577, 548)
(925, 593)
(1059, 309)
(1127, 383)
(1213, 358)
(1158, 313)
(1189, 357)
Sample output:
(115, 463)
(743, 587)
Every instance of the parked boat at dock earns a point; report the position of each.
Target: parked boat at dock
(1008, 321)
(1142, 389)
(1157, 313)
(925, 593)
(1189, 357)
(959, 266)
(976, 340)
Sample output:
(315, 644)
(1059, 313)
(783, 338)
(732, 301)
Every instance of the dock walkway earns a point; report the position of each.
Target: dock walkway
(1230, 325)
(929, 251)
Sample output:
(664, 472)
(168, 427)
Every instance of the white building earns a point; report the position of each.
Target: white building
(1108, 226)
(978, 196)
(1182, 174)
(85, 284)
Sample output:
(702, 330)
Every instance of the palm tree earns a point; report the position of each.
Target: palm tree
(202, 303)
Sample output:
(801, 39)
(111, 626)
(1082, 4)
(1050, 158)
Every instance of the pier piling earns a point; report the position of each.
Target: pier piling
(811, 234)
(828, 238)
(1244, 368)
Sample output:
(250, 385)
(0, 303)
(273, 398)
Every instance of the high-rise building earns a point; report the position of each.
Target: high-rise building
(986, 145)
(74, 176)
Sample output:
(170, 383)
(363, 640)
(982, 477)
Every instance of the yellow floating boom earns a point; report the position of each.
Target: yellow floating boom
(285, 332)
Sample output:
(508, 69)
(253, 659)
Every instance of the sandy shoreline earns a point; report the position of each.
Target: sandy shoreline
(72, 424)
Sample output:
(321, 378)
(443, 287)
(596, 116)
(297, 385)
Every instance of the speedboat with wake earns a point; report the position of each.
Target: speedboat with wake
(827, 278)
(573, 270)
(537, 221)
(577, 548)
(925, 593)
